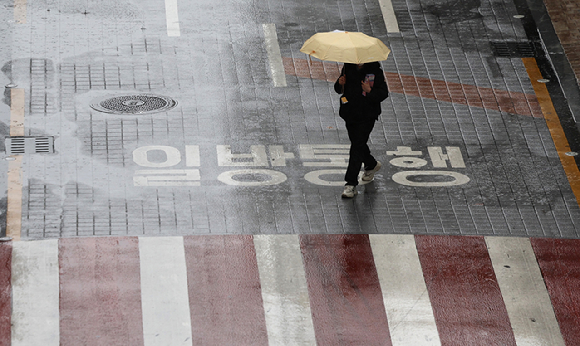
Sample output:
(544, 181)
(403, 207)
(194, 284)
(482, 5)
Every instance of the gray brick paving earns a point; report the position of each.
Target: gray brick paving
(218, 72)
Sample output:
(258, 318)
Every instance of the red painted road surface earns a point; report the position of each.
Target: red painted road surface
(466, 299)
(6, 263)
(345, 296)
(101, 294)
(223, 283)
(465, 94)
(560, 263)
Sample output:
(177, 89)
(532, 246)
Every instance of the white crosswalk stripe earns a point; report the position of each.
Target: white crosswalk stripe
(409, 311)
(166, 319)
(35, 293)
(284, 290)
(520, 280)
(285, 286)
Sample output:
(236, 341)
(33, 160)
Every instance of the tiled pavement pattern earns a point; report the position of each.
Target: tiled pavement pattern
(218, 71)
(565, 15)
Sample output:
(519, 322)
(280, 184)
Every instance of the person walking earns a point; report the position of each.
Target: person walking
(363, 88)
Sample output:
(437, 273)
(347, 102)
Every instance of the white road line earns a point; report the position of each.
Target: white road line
(284, 290)
(389, 16)
(274, 55)
(35, 293)
(172, 18)
(409, 311)
(524, 292)
(164, 295)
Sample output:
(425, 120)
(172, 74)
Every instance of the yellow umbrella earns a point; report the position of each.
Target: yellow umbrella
(347, 47)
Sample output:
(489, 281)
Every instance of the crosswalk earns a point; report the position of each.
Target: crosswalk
(361, 289)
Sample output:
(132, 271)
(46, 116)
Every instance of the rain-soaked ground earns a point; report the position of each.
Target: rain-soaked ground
(245, 135)
(174, 168)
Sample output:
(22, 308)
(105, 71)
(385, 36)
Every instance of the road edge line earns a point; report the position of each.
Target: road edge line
(554, 125)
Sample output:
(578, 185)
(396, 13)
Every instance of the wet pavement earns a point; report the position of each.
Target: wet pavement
(466, 147)
(172, 119)
(315, 289)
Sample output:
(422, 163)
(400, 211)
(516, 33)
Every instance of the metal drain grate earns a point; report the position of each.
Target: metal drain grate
(29, 145)
(134, 104)
(513, 49)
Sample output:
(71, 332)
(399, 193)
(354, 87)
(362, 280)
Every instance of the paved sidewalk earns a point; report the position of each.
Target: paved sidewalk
(254, 144)
(217, 216)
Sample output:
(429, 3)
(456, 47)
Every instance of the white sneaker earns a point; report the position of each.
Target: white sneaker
(370, 174)
(349, 191)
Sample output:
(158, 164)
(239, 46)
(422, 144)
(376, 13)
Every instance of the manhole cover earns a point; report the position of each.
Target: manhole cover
(134, 104)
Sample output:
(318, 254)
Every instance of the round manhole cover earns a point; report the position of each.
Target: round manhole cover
(134, 104)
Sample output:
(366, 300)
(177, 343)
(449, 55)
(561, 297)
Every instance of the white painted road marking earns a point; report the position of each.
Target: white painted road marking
(524, 292)
(169, 177)
(172, 18)
(458, 178)
(287, 293)
(409, 311)
(164, 295)
(257, 157)
(172, 156)
(312, 155)
(314, 177)
(284, 290)
(274, 55)
(389, 16)
(274, 177)
(35, 293)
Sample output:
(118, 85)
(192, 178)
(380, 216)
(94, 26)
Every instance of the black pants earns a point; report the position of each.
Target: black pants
(359, 134)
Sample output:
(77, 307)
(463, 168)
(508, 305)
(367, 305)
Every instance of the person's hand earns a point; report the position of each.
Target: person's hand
(366, 87)
(342, 80)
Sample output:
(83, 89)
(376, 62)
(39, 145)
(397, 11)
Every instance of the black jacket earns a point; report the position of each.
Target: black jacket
(362, 107)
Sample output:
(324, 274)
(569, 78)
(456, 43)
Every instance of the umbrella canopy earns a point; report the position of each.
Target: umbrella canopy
(347, 47)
